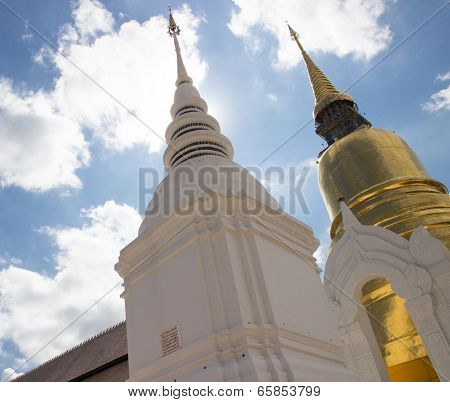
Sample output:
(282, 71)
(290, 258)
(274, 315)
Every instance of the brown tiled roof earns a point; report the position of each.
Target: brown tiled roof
(104, 350)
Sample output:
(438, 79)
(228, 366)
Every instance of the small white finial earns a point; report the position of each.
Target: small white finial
(348, 217)
(173, 29)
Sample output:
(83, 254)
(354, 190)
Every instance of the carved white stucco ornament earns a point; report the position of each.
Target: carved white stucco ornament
(419, 272)
(426, 249)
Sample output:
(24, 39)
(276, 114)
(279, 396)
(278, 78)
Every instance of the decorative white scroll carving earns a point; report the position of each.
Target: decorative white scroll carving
(367, 252)
(426, 249)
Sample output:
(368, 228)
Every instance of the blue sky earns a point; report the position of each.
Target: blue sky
(256, 86)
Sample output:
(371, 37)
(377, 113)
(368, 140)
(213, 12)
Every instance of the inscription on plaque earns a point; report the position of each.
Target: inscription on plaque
(170, 340)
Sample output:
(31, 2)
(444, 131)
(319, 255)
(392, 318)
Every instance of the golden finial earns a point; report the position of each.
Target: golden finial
(294, 36)
(291, 31)
(173, 28)
(324, 90)
(339, 195)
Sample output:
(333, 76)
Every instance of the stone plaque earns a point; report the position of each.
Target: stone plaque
(170, 340)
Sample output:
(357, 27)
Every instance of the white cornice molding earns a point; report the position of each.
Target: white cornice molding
(232, 342)
(151, 248)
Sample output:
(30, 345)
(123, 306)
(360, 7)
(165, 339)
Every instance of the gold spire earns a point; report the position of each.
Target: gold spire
(324, 90)
(339, 196)
(173, 29)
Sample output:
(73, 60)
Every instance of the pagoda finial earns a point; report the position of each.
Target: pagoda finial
(294, 36)
(324, 90)
(174, 30)
(348, 218)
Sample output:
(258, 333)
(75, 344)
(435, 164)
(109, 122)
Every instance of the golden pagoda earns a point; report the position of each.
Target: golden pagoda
(375, 170)
(384, 184)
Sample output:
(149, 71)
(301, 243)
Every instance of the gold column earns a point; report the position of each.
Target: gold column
(400, 345)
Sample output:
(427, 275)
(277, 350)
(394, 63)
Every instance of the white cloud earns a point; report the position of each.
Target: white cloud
(341, 27)
(16, 261)
(321, 254)
(35, 307)
(27, 36)
(443, 77)
(41, 133)
(135, 63)
(41, 148)
(272, 97)
(441, 99)
(91, 18)
(7, 259)
(9, 374)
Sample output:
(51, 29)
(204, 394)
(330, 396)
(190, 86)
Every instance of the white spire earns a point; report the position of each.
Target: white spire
(181, 69)
(193, 132)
